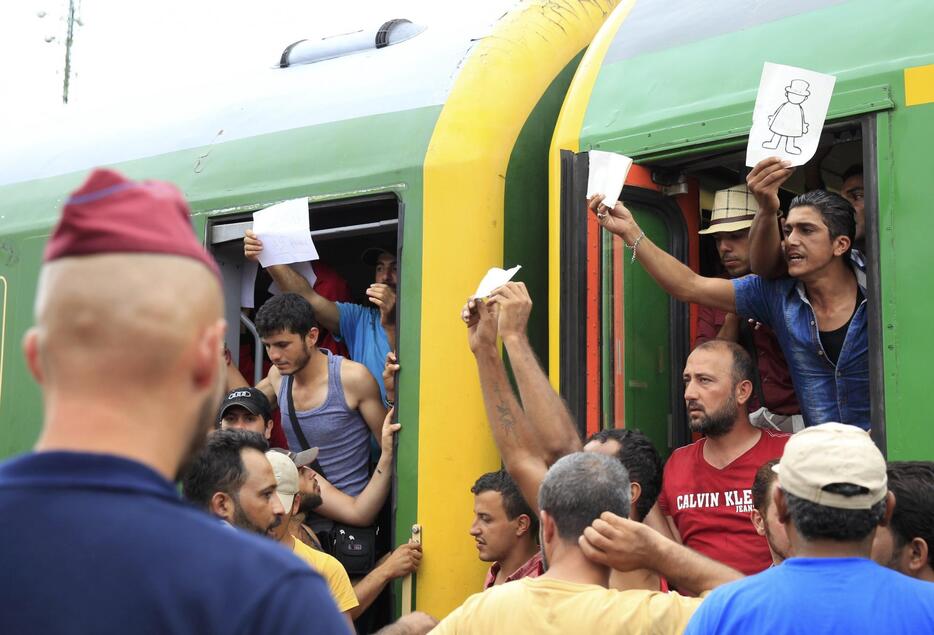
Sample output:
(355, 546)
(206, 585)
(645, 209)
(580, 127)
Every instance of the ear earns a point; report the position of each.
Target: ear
(889, 509)
(268, 431)
(222, 505)
(635, 493)
(840, 245)
(207, 355)
(31, 353)
(296, 503)
(917, 555)
(757, 521)
(311, 339)
(781, 506)
(743, 391)
(549, 531)
(523, 522)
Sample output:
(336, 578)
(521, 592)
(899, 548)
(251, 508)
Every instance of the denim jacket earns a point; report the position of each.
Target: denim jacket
(826, 391)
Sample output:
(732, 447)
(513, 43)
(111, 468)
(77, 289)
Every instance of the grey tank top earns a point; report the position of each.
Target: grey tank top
(340, 434)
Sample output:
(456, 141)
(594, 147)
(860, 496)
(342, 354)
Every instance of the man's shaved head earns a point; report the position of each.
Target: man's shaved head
(137, 333)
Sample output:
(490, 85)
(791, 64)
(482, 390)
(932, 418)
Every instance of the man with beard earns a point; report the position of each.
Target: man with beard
(706, 496)
(287, 491)
(906, 544)
(818, 311)
(335, 402)
(369, 332)
(127, 351)
(232, 479)
(764, 516)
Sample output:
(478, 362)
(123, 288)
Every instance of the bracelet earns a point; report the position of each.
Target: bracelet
(390, 402)
(633, 246)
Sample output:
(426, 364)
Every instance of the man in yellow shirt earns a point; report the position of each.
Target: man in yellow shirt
(580, 490)
(287, 489)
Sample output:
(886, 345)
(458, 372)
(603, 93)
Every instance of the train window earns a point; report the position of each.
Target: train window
(342, 230)
(844, 144)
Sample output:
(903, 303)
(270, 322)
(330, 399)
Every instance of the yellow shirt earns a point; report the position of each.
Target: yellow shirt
(333, 573)
(544, 606)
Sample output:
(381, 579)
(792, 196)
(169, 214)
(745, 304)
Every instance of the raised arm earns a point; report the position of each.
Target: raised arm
(545, 411)
(511, 431)
(360, 510)
(625, 545)
(765, 238)
(290, 281)
(672, 275)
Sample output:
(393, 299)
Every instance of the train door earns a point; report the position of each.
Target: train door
(623, 339)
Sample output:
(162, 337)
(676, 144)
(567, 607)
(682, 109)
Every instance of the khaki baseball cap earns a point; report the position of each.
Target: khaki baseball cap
(828, 454)
(286, 477)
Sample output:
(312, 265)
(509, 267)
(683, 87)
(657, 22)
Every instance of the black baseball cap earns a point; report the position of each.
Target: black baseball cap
(370, 255)
(251, 399)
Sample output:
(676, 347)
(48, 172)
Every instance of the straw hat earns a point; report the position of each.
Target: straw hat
(733, 210)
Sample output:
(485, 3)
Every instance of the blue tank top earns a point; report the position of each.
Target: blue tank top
(340, 434)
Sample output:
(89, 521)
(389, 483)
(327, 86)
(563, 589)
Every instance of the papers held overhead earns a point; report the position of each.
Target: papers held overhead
(494, 279)
(791, 106)
(283, 228)
(607, 174)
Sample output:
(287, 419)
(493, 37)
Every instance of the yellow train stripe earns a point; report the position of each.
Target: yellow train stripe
(919, 85)
(567, 137)
(464, 182)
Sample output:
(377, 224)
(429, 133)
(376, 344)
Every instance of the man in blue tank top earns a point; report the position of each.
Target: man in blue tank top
(336, 402)
(126, 349)
(369, 331)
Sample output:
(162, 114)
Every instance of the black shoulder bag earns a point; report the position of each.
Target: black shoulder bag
(354, 547)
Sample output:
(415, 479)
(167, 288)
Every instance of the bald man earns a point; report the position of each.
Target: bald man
(95, 538)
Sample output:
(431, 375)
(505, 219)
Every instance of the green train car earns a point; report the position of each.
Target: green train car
(675, 90)
(465, 146)
(437, 143)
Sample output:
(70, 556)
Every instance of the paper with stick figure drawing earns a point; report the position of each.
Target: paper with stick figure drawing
(789, 115)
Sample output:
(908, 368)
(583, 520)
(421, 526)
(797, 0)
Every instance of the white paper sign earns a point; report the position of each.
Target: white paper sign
(494, 279)
(303, 268)
(789, 115)
(607, 175)
(285, 233)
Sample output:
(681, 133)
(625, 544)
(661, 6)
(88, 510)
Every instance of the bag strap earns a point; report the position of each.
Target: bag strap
(297, 429)
(747, 341)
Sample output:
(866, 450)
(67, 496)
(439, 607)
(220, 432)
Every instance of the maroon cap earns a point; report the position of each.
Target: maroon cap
(111, 214)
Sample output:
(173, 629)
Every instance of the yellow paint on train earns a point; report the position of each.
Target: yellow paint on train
(499, 84)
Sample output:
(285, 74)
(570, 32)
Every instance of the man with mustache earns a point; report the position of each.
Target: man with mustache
(818, 311)
(706, 496)
(127, 352)
(773, 404)
(369, 332)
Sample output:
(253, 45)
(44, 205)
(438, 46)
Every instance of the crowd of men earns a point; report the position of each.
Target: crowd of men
(782, 515)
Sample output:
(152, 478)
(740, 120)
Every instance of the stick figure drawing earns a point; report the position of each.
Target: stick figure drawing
(788, 121)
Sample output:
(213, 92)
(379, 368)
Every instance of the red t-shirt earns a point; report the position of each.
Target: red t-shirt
(710, 506)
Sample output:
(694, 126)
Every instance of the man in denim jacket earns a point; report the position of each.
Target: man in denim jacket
(817, 311)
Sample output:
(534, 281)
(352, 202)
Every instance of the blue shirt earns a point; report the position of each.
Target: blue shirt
(362, 331)
(826, 391)
(819, 595)
(93, 543)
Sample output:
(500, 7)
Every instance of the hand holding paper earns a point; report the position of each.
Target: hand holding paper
(283, 228)
(607, 175)
(494, 279)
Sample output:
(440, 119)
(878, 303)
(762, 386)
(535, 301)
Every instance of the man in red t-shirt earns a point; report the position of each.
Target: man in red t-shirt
(706, 489)
(773, 403)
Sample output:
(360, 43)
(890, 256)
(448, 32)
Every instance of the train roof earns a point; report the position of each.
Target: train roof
(240, 122)
(677, 77)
